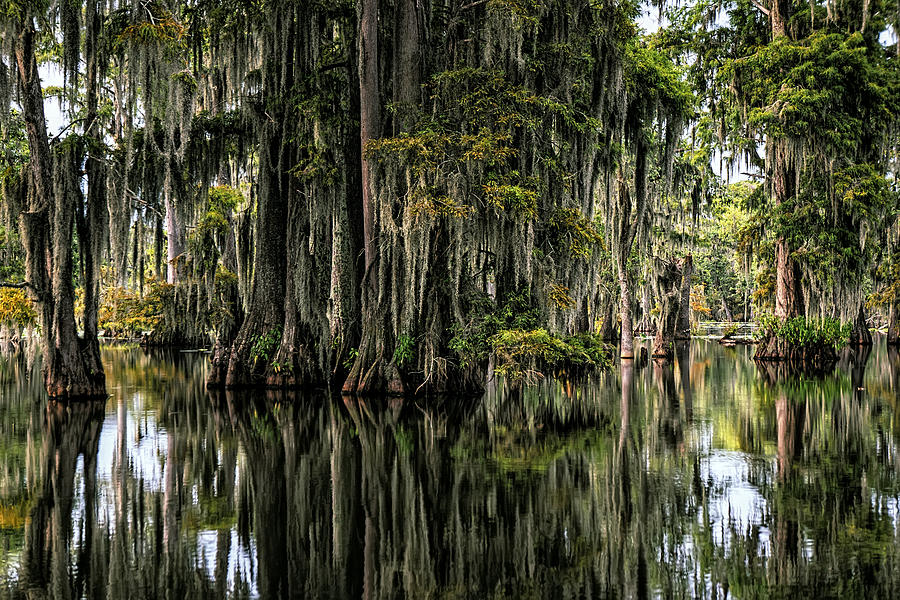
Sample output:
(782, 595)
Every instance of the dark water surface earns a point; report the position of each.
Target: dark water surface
(702, 479)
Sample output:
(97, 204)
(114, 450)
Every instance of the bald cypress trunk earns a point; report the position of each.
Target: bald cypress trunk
(347, 264)
(683, 327)
(670, 295)
(92, 222)
(893, 332)
(174, 238)
(628, 221)
(788, 296)
(374, 370)
(71, 365)
(260, 334)
(608, 329)
(860, 334)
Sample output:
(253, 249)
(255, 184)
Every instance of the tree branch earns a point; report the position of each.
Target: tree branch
(760, 7)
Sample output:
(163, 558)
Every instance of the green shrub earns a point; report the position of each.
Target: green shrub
(806, 333)
(521, 353)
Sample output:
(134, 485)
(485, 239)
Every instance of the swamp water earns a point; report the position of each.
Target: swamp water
(702, 479)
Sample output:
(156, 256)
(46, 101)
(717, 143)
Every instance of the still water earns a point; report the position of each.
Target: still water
(703, 479)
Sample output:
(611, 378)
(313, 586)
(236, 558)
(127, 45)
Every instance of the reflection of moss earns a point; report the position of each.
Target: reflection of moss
(516, 451)
(211, 513)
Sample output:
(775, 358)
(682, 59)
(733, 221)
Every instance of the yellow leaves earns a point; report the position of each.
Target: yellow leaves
(487, 146)
(124, 311)
(575, 231)
(438, 206)
(166, 29)
(502, 197)
(16, 308)
(559, 296)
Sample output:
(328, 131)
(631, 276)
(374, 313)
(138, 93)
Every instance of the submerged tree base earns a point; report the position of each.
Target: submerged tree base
(73, 378)
(775, 371)
(801, 340)
(773, 348)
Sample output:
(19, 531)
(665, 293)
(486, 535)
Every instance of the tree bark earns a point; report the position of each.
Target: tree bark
(893, 332)
(174, 237)
(374, 369)
(860, 334)
(646, 324)
(407, 74)
(369, 121)
(788, 297)
(683, 328)
(92, 224)
(71, 366)
(627, 232)
(608, 330)
(626, 350)
(670, 293)
(260, 333)
(347, 263)
(726, 312)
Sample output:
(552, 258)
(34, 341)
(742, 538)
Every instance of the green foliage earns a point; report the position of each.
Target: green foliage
(520, 353)
(801, 332)
(124, 312)
(655, 81)
(264, 345)
(471, 341)
(404, 352)
(352, 353)
(212, 227)
(830, 232)
(578, 235)
(161, 28)
(828, 86)
(515, 198)
(511, 332)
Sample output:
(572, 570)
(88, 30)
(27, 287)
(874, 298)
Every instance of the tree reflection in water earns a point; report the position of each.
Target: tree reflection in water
(702, 478)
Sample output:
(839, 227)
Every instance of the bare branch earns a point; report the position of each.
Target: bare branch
(760, 7)
(472, 4)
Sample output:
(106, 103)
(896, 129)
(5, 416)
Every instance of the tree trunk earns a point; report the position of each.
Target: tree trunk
(174, 237)
(260, 335)
(369, 122)
(347, 262)
(646, 324)
(626, 350)
(860, 334)
(683, 328)
(71, 366)
(625, 230)
(374, 369)
(92, 224)
(788, 297)
(893, 332)
(608, 330)
(726, 312)
(407, 74)
(669, 286)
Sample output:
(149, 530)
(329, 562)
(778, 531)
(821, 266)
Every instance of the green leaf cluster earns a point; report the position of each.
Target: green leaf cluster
(523, 353)
(801, 332)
